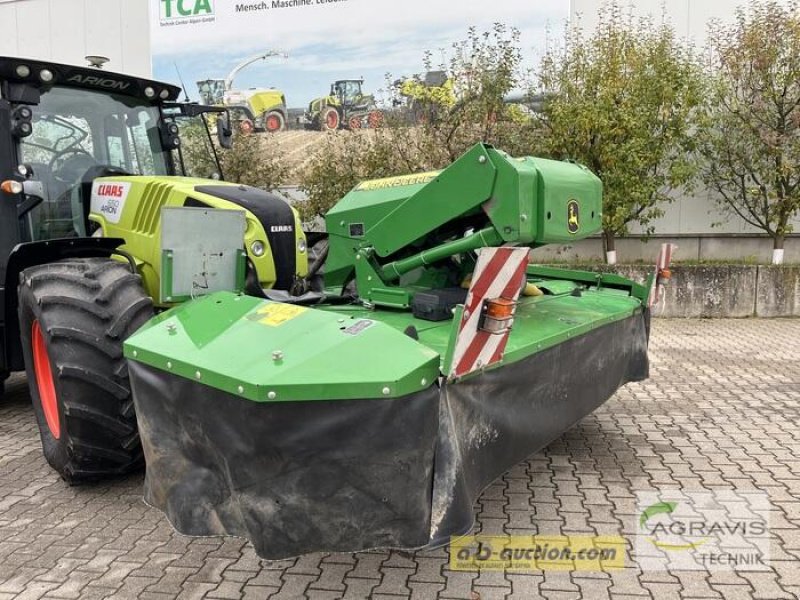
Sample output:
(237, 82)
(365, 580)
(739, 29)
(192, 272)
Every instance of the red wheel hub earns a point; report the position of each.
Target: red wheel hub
(273, 123)
(332, 120)
(44, 380)
(355, 123)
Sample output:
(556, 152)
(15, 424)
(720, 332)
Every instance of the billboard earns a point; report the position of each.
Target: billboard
(309, 44)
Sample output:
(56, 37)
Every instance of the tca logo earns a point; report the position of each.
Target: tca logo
(179, 9)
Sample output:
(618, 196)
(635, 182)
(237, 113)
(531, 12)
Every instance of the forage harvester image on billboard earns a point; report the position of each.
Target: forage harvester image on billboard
(255, 109)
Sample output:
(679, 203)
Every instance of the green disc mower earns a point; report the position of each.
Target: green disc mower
(430, 358)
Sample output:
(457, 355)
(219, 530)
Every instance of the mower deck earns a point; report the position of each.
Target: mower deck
(333, 430)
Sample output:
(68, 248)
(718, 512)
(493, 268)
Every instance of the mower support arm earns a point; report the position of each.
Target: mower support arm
(473, 178)
(479, 239)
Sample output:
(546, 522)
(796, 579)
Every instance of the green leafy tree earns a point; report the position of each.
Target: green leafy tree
(255, 159)
(337, 166)
(622, 100)
(751, 145)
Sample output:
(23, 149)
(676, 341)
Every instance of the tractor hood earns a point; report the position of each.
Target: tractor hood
(129, 207)
(147, 194)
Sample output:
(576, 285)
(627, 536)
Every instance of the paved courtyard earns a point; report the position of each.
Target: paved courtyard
(721, 411)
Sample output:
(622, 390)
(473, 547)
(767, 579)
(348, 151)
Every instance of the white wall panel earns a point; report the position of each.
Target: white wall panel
(677, 12)
(67, 33)
(8, 19)
(689, 17)
(68, 30)
(103, 30)
(135, 19)
(33, 28)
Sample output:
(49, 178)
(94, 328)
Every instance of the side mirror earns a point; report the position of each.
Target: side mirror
(224, 132)
(33, 196)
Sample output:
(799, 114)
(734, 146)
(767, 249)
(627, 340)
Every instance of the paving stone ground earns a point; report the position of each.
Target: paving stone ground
(721, 411)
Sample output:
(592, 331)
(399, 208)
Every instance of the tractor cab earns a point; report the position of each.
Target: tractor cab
(212, 91)
(70, 127)
(348, 92)
(100, 173)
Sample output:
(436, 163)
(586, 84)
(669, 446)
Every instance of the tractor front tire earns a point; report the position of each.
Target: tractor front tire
(329, 119)
(274, 121)
(74, 315)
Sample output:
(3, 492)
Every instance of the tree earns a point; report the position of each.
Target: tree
(622, 101)
(256, 159)
(751, 145)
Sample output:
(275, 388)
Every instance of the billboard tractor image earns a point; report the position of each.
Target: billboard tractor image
(347, 106)
(282, 66)
(254, 109)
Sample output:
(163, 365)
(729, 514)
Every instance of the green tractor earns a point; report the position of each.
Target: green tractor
(90, 160)
(346, 107)
(254, 109)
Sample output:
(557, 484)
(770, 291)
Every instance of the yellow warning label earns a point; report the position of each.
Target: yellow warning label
(391, 182)
(276, 315)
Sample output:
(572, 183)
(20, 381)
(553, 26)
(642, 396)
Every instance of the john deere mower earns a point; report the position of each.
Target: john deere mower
(430, 358)
(346, 107)
(89, 161)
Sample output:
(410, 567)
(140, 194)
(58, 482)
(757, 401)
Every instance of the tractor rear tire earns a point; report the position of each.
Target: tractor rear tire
(329, 119)
(74, 315)
(375, 119)
(274, 121)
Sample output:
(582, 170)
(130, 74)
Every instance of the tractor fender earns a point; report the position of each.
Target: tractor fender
(30, 254)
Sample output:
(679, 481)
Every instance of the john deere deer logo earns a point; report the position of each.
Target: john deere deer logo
(573, 216)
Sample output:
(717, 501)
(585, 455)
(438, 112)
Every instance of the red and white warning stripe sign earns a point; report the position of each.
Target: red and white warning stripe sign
(662, 273)
(499, 273)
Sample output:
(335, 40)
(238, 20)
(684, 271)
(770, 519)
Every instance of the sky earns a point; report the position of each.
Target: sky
(332, 39)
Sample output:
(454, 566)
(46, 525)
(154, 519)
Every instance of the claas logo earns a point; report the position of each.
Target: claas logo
(178, 9)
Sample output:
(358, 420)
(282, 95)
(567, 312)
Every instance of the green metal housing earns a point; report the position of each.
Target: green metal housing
(272, 352)
(383, 231)
(393, 238)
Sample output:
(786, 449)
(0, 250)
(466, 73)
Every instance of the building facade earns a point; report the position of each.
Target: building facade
(68, 30)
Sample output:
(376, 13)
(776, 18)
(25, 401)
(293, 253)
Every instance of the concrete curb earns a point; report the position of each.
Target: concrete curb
(723, 291)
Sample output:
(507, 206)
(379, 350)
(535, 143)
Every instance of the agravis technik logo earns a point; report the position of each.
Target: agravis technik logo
(720, 530)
